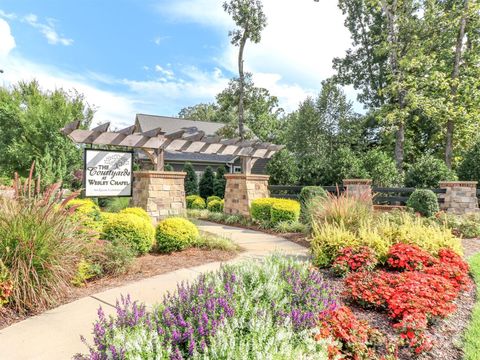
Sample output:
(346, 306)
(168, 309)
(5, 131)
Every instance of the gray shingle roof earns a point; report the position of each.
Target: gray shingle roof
(194, 157)
(171, 124)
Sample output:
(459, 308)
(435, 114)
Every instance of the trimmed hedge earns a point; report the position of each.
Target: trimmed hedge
(423, 201)
(137, 211)
(215, 206)
(195, 202)
(86, 213)
(275, 210)
(132, 229)
(174, 234)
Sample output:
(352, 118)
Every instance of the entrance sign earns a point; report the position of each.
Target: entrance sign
(108, 173)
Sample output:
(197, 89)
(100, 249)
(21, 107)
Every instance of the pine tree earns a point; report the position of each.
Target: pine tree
(206, 183)
(219, 182)
(191, 181)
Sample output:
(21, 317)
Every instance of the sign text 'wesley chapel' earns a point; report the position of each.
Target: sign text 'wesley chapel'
(108, 173)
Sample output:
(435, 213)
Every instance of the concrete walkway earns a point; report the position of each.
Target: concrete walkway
(55, 334)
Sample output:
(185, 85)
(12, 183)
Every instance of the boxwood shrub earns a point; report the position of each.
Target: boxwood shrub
(274, 210)
(195, 202)
(215, 206)
(137, 232)
(174, 234)
(423, 201)
(260, 209)
(137, 211)
(212, 198)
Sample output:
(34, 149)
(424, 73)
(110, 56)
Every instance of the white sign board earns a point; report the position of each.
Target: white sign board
(108, 173)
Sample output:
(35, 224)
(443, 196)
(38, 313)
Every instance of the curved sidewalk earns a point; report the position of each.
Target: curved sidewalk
(55, 334)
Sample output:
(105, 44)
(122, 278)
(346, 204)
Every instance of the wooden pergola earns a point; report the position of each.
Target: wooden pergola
(186, 140)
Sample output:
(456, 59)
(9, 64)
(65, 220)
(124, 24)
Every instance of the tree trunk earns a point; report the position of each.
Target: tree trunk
(455, 74)
(241, 121)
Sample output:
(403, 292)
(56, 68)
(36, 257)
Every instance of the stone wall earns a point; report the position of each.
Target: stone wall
(160, 193)
(241, 190)
(460, 196)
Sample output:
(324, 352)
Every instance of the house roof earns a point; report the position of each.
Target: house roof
(170, 124)
(198, 157)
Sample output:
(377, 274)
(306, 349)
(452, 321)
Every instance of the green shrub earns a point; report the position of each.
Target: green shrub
(205, 187)
(191, 180)
(283, 168)
(117, 258)
(260, 209)
(174, 234)
(87, 213)
(85, 271)
(211, 242)
(344, 164)
(137, 232)
(284, 210)
(41, 246)
(467, 226)
(195, 202)
(137, 211)
(215, 205)
(306, 195)
(427, 172)
(424, 202)
(220, 182)
(168, 167)
(381, 168)
(213, 197)
(290, 227)
(469, 168)
(116, 204)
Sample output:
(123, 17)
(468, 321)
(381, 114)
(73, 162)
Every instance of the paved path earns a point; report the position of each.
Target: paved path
(55, 334)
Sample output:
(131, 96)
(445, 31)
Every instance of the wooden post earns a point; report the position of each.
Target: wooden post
(160, 160)
(247, 164)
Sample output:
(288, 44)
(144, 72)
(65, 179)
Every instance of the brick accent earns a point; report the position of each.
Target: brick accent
(460, 198)
(241, 190)
(358, 187)
(160, 193)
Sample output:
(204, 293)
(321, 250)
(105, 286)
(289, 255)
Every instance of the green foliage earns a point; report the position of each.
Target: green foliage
(283, 168)
(427, 172)
(137, 232)
(167, 167)
(380, 168)
(469, 169)
(260, 209)
(206, 183)
(290, 227)
(284, 210)
(471, 338)
(213, 197)
(467, 225)
(307, 194)
(344, 164)
(41, 246)
(195, 202)
(200, 112)
(220, 182)
(424, 201)
(117, 257)
(85, 272)
(174, 234)
(116, 204)
(211, 242)
(30, 123)
(87, 213)
(191, 180)
(215, 206)
(137, 211)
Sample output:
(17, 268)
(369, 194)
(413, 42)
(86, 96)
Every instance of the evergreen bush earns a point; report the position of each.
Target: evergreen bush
(381, 168)
(423, 201)
(284, 210)
(191, 180)
(215, 206)
(427, 172)
(174, 234)
(137, 211)
(206, 183)
(469, 169)
(213, 197)
(195, 202)
(220, 182)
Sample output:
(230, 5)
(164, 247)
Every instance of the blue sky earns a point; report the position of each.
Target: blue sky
(156, 57)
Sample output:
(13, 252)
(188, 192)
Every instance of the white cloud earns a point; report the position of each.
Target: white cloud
(48, 30)
(298, 44)
(7, 41)
(5, 15)
(169, 74)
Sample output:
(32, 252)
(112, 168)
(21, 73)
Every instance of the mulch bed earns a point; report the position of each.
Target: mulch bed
(146, 266)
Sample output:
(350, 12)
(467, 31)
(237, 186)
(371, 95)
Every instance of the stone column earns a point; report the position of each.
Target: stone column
(358, 187)
(460, 197)
(241, 190)
(160, 193)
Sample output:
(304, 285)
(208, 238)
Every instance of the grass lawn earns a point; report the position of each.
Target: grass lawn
(472, 335)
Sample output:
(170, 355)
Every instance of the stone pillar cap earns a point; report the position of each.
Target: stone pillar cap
(458, 183)
(247, 177)
(357, 181)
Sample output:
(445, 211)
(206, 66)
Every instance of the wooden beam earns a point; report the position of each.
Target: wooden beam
(160, 160)
(101, 128)
(70, 127)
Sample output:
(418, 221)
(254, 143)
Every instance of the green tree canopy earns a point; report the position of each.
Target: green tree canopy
(191, 180)
(206, 183)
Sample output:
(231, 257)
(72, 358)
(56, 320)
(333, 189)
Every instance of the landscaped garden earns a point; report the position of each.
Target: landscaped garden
(378, 286)
(56, 248)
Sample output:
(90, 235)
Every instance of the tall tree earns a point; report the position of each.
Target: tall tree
(191, 180)
(30, 123)
(201, 112)
(250, 21)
